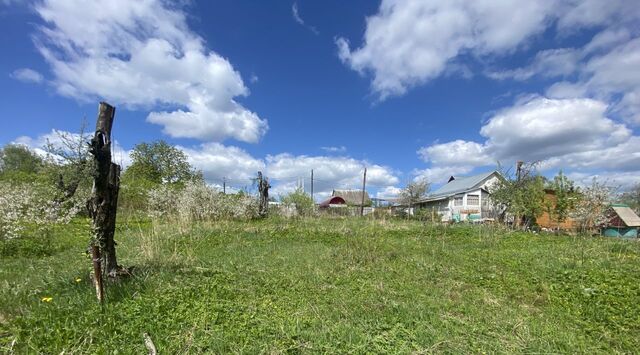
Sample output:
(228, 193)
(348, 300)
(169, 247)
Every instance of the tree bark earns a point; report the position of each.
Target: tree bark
(263, 189)
(106, 183)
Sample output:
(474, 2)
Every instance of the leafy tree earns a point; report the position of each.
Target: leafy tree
(566, 198)
(302, 201)
(160, 163)
(415, 191)
(19, 158)
(522, 196)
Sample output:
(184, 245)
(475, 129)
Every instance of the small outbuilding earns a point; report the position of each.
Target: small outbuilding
(352, 197)
(332, 201)
(623, 222)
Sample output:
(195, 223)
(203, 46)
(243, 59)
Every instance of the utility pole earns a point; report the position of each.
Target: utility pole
(364, 183)
(224, 185)
(312, 184)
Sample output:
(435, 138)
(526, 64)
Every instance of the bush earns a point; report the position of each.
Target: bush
(198, 202)
(300, 201)
(36, 205)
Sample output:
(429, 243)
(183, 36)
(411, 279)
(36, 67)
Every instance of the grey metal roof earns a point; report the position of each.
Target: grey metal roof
(460, 185)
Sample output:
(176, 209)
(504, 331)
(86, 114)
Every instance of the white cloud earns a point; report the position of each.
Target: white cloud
(219, 162)
(410, 42)
(389, 192)
(620, 180)
(27, 75)
(604, 69)
(440, 174)
(336, 149)
(543, 128)
(296, 17)
(572, 134)
(549, 63)
(143, 54)
(329, 172)
(457, 152)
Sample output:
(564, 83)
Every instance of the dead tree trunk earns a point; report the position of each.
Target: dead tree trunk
(106, 184)
(263, 188)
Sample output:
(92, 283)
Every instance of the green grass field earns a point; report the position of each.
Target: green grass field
(328, 286)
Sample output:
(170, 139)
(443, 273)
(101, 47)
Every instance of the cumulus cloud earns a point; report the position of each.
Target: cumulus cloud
(27, 75)
(329, 172)
(409, 42)
(604, 69)
(389, 192)
(143, 54)
(440, 174)
(218, 162)
(573, 134)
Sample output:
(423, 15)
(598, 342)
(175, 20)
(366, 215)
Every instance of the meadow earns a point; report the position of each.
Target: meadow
(325, 285)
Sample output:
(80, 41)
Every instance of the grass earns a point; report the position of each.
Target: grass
(327, 285)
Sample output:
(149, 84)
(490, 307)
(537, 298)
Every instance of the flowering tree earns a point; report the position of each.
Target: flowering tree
(414, 191)
(592, 207)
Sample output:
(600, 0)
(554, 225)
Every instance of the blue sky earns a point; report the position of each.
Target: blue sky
(409, 89)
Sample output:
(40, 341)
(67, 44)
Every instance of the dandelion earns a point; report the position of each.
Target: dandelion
(78, 279)
(47, 299)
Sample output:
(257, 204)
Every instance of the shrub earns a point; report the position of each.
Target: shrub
(197, 201)
(303, 203)
(37, 205)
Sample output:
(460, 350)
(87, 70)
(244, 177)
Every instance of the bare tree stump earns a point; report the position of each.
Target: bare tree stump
(263, 189)
(106, 184)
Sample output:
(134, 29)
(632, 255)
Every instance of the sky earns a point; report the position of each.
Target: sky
(409, 89)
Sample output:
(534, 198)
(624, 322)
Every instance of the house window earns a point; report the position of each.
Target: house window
(457, 201)
(473, 200)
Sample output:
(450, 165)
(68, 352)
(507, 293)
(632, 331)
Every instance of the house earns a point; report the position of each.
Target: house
(347, 197)
(622, 222)
(463, 197)
(546, 221)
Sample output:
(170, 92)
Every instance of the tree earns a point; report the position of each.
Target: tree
(18, 158)
(566, 198)
(302, 201)
(415, 191)
(70, 161)
(592, 207)
(160, 163)
(521, 196)
(632, 198)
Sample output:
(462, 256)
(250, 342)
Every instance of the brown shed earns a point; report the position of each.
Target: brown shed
(352, 197)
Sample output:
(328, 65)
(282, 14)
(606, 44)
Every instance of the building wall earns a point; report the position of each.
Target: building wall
(545, 220)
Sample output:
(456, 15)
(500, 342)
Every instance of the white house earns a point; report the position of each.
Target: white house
(464, 197)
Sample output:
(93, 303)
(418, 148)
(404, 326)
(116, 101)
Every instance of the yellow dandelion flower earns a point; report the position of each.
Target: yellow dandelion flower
(47, 299)
(78, 279)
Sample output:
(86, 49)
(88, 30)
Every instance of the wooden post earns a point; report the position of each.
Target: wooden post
(364, 182)
(103, 203)
(97, 272)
